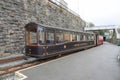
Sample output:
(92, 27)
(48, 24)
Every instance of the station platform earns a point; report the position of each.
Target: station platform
(98, 63)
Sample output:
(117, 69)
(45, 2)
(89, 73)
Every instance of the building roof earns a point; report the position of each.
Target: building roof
(108, 27)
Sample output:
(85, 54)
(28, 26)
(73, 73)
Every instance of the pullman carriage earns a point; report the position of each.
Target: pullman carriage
(43, 41)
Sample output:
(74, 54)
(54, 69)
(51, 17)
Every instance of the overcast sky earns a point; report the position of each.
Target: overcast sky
(99, 12)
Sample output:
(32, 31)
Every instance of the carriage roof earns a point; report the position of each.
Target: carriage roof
(32, 26)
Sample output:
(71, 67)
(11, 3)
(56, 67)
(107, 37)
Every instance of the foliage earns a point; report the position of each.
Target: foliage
(91, 24)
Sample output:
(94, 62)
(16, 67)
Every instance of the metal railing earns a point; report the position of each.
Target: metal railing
(64, 7)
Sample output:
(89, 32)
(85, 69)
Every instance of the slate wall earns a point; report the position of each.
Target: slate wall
(14, 14)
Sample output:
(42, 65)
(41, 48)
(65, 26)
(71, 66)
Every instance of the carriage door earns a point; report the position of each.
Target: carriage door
(40, 41)
(50, 40)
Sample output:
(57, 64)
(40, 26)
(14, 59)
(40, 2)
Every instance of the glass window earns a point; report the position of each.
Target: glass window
(41, 39)
(78, 37)
(87, 37)
(84, 37)
(33, 37)
(66, 36)
(50, 36)
(59, 37)
(74, 37)
(92, 37)
(71, 34)
(81, 37)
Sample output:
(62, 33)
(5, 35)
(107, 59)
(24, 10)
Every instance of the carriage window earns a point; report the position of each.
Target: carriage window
(66, 36)
(81, 37)
(59, 37)
(78, 37)
(92, 37)
(41, 35)
(84, 37)
(87, 37)
(71, 34)
(74, 37)
(33, 37)
(50, 37)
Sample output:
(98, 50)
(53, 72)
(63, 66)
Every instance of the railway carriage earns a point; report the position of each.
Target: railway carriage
(44, 41)
(99, 39)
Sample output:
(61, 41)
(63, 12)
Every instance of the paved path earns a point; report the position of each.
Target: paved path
(99, 63)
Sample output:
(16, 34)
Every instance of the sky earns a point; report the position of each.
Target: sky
(99, 12)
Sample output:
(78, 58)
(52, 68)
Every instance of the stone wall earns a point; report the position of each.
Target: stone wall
(14, 14)
(11, 25)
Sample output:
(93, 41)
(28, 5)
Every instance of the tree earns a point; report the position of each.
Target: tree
(91, 24)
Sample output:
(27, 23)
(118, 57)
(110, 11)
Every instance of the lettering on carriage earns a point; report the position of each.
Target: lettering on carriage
(83, 44)
(76, 45)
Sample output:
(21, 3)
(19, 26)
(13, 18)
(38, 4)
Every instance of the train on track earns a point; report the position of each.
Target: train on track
(47, 41)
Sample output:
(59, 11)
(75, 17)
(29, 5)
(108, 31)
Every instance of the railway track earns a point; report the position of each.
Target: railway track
(12, 69)
(13, 64)
(11, 59)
